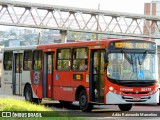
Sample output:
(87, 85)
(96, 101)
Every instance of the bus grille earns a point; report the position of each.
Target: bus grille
(136, 99)
(136, 93)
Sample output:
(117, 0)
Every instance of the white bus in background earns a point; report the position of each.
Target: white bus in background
(1, 55)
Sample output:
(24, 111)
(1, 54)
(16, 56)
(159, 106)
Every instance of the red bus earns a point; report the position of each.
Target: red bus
(112, 71)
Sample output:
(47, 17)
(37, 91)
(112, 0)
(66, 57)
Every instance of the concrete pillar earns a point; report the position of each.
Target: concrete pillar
(63, 36)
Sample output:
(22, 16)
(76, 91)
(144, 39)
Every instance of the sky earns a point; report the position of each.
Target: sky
(129, 6)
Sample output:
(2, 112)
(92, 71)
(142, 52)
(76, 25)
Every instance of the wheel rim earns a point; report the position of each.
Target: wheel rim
(83, 100)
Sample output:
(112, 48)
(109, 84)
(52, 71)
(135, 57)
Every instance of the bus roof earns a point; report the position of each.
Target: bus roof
(69, 44)
(85, 43)
(19, 48)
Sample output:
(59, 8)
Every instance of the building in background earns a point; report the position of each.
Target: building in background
(152, 9)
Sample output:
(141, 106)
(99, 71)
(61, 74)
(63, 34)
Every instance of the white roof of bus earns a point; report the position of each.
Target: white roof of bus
(19, 48)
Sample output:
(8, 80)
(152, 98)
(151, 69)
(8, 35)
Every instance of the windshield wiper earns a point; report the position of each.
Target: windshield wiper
(143, 58)
(130, 60)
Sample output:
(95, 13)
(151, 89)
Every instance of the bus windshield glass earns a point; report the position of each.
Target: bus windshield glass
(132, 66)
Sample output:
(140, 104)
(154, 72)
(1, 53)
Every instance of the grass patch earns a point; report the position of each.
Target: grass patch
(16, 105)
(10, 104)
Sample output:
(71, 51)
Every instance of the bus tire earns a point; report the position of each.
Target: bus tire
(28, 94)
(125, 107)
(85, 106)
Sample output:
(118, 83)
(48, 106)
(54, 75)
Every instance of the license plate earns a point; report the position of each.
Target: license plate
(136, 98)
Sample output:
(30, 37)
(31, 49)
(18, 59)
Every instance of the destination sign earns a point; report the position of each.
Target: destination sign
(134, 45)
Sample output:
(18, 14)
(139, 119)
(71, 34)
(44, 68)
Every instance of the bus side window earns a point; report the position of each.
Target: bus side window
(63, 59)
(37, 60)
(27, 60)
(7, 64)
(80, 59)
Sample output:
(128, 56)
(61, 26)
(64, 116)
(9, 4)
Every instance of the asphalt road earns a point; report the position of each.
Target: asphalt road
(103, 112)
(142, 112)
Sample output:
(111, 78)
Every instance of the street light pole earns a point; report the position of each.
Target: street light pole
(39, 36)
(98, 21)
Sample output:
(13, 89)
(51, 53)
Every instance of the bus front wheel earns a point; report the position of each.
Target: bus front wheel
(85, 106)
(28, 93)
(125, 107)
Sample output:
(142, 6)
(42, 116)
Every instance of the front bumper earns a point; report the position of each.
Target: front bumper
(112, 98)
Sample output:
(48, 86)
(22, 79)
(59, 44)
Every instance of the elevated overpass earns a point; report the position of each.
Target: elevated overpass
(42, 16)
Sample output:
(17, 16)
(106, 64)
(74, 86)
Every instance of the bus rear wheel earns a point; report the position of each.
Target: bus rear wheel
(125, 107)
(85, 106)
(28, 94)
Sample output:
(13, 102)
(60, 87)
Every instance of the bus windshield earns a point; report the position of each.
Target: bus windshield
(131, 66)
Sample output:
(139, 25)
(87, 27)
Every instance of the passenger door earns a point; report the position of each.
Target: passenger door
(48, 74)
(17, 73)
(97, 76)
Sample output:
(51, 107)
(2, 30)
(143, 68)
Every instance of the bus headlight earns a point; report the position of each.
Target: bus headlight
(110, 88)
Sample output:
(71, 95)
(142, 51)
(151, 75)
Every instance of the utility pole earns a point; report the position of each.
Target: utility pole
(39, 36)
(97, 22)
(63, 36)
